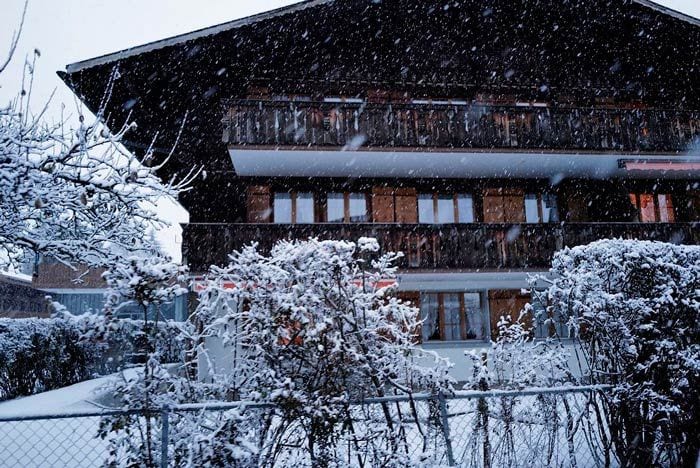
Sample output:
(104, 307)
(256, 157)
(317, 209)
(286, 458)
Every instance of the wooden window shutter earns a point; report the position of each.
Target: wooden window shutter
(504, 205)
(383, 205)
(493, 206)
(406, 205)
(507, 303)
(514, 207)
(414, 299)
(258, 204)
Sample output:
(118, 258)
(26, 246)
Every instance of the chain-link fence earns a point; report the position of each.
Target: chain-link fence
(533, 428)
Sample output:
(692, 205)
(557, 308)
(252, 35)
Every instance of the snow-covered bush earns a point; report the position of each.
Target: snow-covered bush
(38, 355)
(635, 310)
(516, 361)
(309, 329)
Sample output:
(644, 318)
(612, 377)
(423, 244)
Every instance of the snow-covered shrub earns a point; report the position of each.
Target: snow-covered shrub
(41, 354)
(38, 355)
(516, 361)
(309, 329)
(635, 310)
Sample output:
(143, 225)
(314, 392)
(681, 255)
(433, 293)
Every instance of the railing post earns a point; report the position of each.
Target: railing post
(446, 429)
(164, 436)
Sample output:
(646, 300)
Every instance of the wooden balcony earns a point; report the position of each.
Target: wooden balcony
(458, 126)
(429, 247)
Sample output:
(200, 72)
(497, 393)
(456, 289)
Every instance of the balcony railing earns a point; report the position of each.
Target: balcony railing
(458, 126)
(453, 246)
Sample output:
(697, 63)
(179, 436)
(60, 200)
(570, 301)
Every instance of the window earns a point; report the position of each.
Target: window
(465, 208)
(429, 313)
(358, 208)
(335, 208)
(541, 208)
(452, 317)
(305, 208)
(426, 208)
(346, 207)
(293, 208)
(550, 210)
(652, 208)
(532, 212)
(282, 208)
(547, 326)
(445, 208)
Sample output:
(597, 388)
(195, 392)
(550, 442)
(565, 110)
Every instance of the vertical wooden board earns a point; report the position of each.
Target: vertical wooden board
(406, 205)
(383, 205)
(258, 204)
(493, 209)
(514, 208)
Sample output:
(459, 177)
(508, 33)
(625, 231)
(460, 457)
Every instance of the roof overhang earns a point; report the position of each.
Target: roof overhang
(459, 165)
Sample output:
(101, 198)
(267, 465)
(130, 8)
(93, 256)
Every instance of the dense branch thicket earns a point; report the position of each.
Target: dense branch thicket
(635, 310)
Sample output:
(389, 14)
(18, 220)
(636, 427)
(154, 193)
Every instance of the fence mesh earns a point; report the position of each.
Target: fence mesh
(470, 429)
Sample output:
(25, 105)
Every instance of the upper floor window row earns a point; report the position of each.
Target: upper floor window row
(401, 205)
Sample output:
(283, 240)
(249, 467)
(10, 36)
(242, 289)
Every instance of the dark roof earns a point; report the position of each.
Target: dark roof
(619, 46)
(229, 25)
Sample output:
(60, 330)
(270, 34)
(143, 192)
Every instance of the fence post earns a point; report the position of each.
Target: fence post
(446, 428)
(164, 436)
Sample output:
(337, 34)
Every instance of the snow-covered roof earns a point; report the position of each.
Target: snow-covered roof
(305, 4)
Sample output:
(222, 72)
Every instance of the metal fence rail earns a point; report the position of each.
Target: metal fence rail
(530, 428)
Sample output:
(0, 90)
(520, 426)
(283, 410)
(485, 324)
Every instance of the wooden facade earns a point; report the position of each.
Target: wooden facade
(426, 77)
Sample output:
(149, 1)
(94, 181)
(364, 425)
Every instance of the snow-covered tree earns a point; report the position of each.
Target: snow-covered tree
(311, 328)
(635, 310)
(72, 193)
(149, 282)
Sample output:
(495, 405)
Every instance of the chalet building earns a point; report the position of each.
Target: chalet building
(478, 137)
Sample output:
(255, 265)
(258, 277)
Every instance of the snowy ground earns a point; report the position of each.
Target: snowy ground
(65, 442)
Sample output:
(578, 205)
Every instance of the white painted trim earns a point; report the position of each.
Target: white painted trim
(304, 162)
(465, 282)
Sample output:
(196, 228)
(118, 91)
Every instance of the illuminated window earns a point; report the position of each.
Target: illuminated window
(653, 208)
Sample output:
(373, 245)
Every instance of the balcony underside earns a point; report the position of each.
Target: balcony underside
(467, 164)
(468, 247)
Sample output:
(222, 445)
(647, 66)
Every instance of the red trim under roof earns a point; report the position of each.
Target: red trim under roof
(662, 166)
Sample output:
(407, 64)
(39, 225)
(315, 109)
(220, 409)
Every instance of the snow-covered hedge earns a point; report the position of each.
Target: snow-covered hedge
(634, 308)
(38, 355)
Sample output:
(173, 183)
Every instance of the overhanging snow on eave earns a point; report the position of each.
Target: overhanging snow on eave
(457, 165)
(182, 38)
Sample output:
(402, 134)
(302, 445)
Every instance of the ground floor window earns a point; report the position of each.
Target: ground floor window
(452, 316)
(653, 208)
